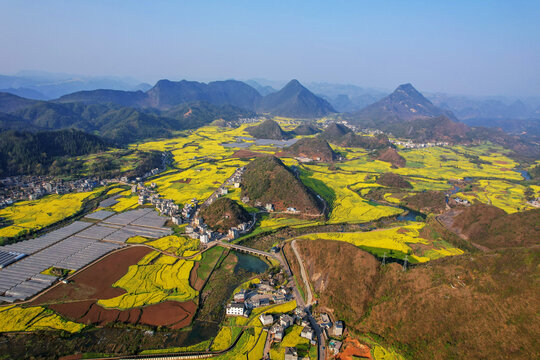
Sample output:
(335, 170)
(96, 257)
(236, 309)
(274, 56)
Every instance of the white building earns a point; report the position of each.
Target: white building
(286, 320)
(337, 329)
(266, 319)
(204, 239)
(235, 309)
(177, 220)
(307, 333)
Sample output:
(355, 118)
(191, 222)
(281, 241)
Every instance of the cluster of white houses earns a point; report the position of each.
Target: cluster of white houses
(262, 294)
(18, 188)
(408, 144)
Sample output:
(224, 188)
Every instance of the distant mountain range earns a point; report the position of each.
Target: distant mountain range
(119, 123)
(293, 100)
(45, 86)
(126, 116)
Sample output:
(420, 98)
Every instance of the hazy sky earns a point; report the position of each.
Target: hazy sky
(470, 47)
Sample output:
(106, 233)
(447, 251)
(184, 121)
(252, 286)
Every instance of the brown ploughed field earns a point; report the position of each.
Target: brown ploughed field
(78, 299)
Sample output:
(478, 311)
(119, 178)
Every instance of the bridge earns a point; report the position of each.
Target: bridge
(246, 249)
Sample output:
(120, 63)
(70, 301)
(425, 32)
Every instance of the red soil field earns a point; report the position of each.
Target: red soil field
(196, 282)
(352, 347)
(77, 300)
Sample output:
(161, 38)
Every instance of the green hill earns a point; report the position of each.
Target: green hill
(223, 214)
(335, 132)
(267, 180)
(268, 129)
(306, 129)
(115, 122)
(312, 148)
(342, 135)
(23, 152)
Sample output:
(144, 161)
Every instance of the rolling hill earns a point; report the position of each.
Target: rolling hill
(267, 180)
(23, 152)
(459, 307)
(115, 122)
(312, 148)
(223, 214)
(268, 129)
(306, 129)
(341, 135)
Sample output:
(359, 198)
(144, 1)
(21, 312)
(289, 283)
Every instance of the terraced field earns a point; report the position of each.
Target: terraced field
(156, 278)
(17, 318)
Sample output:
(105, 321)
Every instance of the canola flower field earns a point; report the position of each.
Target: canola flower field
(37, 214)
(179, 245)
(392, 241)
(17, 318)
(156, 278)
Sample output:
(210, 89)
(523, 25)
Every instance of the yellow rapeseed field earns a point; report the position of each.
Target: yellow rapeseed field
(17, 318)
(395, 239)
(505, 195)
(175, 244)
(36, 214)
(152, 281)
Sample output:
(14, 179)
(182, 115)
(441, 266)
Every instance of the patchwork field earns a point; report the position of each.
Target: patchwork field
(78, 300)
(156, 278)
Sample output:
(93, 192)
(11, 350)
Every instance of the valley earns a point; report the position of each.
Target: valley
(319, 221)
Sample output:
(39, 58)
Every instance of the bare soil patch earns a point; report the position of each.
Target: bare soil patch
(247, 154)
(95, 282)
(352, 349)
(183, 181)
(196, 282)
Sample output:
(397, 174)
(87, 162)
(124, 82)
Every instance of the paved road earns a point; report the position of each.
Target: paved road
(321, 341)
(309, 299)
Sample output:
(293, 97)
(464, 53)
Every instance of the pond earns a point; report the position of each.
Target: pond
(525, 174)
(249, 263)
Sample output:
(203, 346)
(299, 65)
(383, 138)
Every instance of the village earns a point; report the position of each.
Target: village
(21, 188)
(268, 293)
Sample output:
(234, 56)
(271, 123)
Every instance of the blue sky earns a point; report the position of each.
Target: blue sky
(476, 47)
